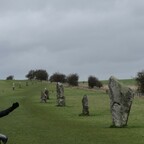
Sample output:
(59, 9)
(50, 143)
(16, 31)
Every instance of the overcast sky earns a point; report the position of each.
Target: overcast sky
(87, 37)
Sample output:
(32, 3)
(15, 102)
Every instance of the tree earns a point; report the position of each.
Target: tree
(72, 79)
(140, 81)
(37, 74)
(41, 74)
(31, 75)
(58, 77)
(11, 77)
(93, 81)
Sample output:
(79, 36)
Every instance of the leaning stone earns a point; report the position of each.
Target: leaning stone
(121, 98)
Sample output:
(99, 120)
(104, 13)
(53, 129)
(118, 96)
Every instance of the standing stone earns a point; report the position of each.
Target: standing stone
(60, 94)
(43, 97)
(121, 98)
(85, 110)
(46, 91)
(13, 86)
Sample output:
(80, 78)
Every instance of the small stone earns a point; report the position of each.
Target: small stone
(85, 110)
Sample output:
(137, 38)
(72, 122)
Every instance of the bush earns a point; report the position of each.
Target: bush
(93, 81)
(41, 74)
(11, 77)
(72, 79)
(37, 74)
(31, 75)
(58, 77)
(140, 81)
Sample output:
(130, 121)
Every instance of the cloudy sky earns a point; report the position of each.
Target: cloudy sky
(87, 37)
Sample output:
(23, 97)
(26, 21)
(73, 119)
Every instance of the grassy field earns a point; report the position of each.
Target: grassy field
(45, 123)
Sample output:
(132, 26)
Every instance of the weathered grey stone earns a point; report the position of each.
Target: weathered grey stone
(121, 98)
(46, 91)
(85, 110)
(43, 97)
(60, 94)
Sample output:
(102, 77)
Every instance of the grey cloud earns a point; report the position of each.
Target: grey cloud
(87, 37)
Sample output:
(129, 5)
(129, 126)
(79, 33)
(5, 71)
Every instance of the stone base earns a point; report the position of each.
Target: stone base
(113, 126)
(82, 114)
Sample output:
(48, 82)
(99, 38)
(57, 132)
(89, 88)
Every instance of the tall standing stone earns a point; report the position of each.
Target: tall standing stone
(121, 98)
(60, 94)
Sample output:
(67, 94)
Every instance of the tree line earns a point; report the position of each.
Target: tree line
(72, 79)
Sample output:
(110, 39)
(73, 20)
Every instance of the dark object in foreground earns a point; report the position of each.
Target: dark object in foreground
(85, 110)
(3, 113)
(3, 138)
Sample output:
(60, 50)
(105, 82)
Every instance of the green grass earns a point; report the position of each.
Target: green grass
(34, 122)
(124, 81)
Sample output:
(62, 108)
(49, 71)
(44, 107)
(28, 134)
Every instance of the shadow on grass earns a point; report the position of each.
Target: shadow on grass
(126, 127)
(135, 126)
